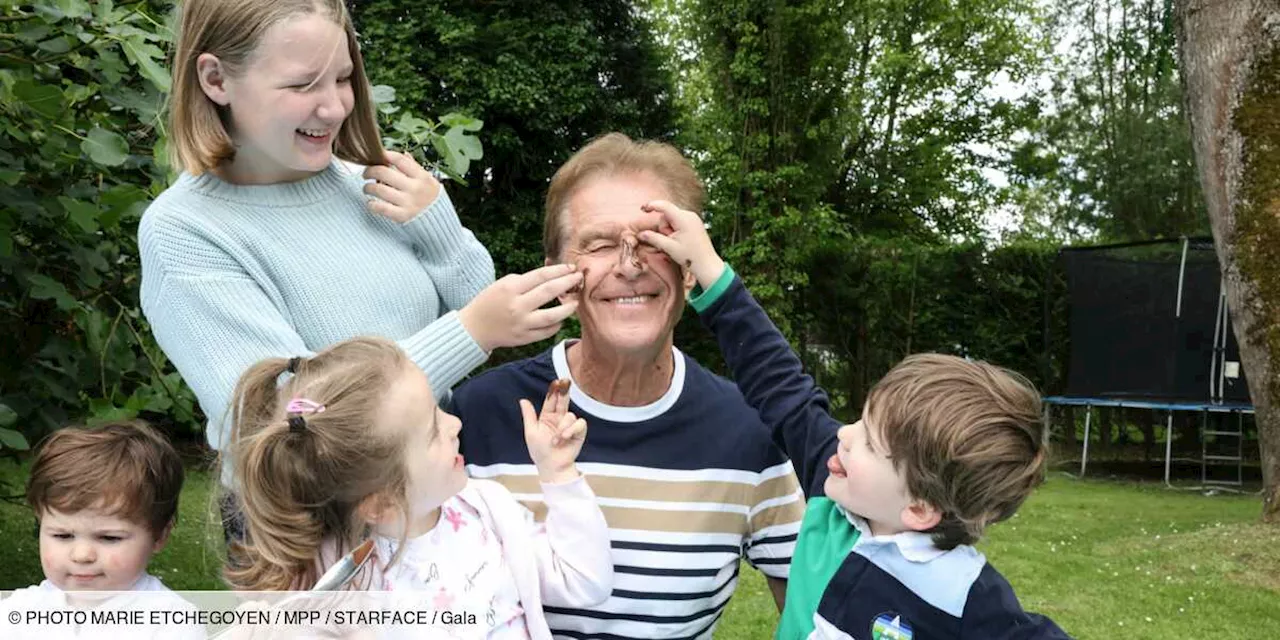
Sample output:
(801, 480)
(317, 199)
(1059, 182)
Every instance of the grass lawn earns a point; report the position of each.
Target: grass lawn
(1116, 560)
(1103, 559)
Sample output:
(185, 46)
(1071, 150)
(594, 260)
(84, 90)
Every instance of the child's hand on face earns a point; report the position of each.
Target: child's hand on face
(556, 436)
(684, 237)
(401, 189)
(509, 313)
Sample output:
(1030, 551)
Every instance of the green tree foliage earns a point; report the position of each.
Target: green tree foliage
(1113, 155)
(765, 118)
(889, 104)
(545, 77)
(81, 90)
(822, 126)
(82, 152)
(930, 111)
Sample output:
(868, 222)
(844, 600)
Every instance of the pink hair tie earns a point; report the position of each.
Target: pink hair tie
(303, 405)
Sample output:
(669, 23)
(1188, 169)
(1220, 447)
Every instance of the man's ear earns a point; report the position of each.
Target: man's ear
(920, 516)
(689, 281)
(213, 78)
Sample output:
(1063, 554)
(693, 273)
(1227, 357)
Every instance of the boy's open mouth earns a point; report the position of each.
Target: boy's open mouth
(834, 466)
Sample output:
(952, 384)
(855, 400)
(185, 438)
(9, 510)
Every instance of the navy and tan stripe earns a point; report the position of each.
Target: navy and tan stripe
(685, 508)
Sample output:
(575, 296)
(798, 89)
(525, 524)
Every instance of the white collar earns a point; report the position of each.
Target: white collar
(593, 407)
(913, 545)
(145, 582)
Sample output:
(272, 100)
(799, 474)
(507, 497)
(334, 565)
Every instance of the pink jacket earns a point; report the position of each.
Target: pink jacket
(565, 562)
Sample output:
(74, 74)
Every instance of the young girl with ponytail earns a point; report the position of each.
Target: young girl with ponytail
(350, 444)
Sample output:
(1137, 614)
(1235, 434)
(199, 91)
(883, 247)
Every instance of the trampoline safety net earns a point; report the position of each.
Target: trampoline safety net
(1130, 337)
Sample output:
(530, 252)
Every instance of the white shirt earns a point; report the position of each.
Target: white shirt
(43, 613)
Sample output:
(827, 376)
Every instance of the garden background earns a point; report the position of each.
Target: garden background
(890, 176)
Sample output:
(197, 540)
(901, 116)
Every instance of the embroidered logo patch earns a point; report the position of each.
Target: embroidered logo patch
(890, 626)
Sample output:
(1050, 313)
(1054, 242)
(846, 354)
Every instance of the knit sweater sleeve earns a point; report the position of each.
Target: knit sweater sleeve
(458, 264)
(571, 550)
(772, 379)
(214, 319)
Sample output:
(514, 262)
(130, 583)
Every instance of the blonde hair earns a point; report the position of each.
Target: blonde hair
(614, 154)
(125, 468)
(232, 30)
(302, 477)
(966, 435)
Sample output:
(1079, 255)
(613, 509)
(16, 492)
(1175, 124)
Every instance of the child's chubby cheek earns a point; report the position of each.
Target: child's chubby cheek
(48, 559)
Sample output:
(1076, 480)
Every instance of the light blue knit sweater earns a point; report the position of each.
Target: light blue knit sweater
(233, 274)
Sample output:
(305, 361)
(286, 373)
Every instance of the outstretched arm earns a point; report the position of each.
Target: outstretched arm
(575, 565)
(763, 364)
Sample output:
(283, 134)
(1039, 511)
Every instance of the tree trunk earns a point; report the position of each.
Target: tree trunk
(1230, 55)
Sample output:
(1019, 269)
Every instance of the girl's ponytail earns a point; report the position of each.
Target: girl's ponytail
(307, 452)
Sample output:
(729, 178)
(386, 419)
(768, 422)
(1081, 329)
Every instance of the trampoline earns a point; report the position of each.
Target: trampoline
(1150, 329)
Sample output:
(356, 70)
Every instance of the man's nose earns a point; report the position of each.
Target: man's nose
(629, 263)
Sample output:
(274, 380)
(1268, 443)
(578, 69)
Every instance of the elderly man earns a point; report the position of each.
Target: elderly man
(686, 474)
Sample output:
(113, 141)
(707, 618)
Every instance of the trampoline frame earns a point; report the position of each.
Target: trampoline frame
(1217, 376)
(1088, 403)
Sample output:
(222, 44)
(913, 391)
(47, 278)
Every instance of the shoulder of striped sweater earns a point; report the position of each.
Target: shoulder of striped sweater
(694, 368)
(724, 390)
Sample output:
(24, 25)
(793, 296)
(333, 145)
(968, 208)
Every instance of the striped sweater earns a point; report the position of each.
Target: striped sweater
(689, 485)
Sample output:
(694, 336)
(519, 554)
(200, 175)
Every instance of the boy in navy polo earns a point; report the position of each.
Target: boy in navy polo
(945, 447)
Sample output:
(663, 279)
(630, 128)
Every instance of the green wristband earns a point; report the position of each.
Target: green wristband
(701, 299)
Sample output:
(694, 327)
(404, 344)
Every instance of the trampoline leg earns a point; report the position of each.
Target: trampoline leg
(1084, 456)
(1168, 447)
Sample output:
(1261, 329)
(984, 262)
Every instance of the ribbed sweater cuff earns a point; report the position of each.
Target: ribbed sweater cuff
(445, 351)
(437, 229)
(700, 299)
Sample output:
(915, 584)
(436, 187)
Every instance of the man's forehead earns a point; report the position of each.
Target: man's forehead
(605, 226)
(619, 189)
(610, 204)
